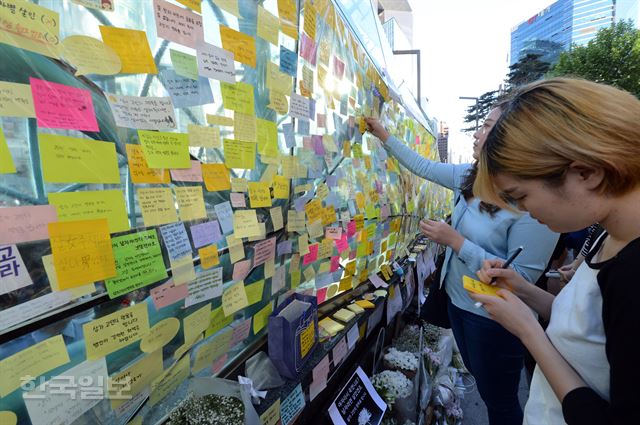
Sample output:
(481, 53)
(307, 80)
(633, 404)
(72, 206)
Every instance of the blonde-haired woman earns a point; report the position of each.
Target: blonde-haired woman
(568, 152)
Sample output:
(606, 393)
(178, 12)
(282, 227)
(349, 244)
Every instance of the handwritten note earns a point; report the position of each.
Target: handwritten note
(230, 6)
(90, 56)
(272, 415)
(292, 405)
(190, 203)
(183, 270)
(170, 380)
(278, 102)
(176, 240)
(13, 273)
(215, 62)
(168, 293)
(238, 97)
(144, 113)
(264, 251)
(33, 361)
(245, 224)
(60, 106)
(138, 262)
(239, 154)
(300, 107)
(90, 205)
(196, 322)
(132, 47)
(140, 171)
(134, 379)
(479, 287)
(212, 350)
(81, 252)
(234, 298)
(219, 120)
(205, 233)
(288, 61)
(116, 330)
(268, 141)
(208, 256)
(184, 64)
(34, 28)
(259, 194)
(165, 150)
(25, 224)
(157, 206)
(16, 100)
(193, 174)
(216, 177)
(160, 335)
(268, 26)
(184, 91)
(206, 137)
(218, 321)
(277, 80)
(242, 46)
(244, 127)
(177, 24)
(225, 216)
(206, 286)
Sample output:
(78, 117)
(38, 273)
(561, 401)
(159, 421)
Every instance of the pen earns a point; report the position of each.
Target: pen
(510, 260)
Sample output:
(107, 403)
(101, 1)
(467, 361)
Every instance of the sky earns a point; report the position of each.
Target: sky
(464, 46)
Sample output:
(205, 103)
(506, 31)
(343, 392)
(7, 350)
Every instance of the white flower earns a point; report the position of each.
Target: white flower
(364, 417)
(391, 384)
(401, 359)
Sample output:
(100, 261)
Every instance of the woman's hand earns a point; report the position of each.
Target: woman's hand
(566, 272)
(505, 278)
(375, 127)
(508, 310)
(442, 233)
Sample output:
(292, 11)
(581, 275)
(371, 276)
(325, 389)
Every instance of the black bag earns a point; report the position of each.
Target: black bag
(434, 309)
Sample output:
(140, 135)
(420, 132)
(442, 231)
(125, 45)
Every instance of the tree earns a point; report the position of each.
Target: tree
(612, 57)
(480, 110)
(528, 69)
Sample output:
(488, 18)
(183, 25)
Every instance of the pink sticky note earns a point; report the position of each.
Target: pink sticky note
(321, 294)
(333, 232)
(238, 200)
(193, 174)
(308, 49)
(217, 365)
(263, 251)
(342, 244)
(321, 371)
(178, 24)
(241, 269)
(241, 332)
(339, 351)
(312, 255)
(335, 263)
(24, 224)
(338, 68)
(351, 228)
(60, 106)
(168, 293)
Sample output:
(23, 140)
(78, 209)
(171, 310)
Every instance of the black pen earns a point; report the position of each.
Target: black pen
(509, 260)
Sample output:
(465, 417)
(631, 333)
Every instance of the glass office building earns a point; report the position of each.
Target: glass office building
(562, 24)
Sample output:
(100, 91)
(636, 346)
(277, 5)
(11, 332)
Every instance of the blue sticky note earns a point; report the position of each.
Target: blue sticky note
(225, 216)
(303, 127)
(292, 405)
(176, 240)
(186, 92)
(289, 136)
(288, 61)
(205, 233)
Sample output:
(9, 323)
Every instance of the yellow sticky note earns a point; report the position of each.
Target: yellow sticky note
(217, 322)
(81, 252)
(236, 249)
(313, 210)
(259, 194)
(268, 26)
(132, 47)
(16, 100)
(116, 330)
(206, 137)
(278, 81)
(7, 417)
(330, 326)
(238, 97)
(195, 5)
(280, 187)
(90, 55)
(208, 256)
(216, 177)
(30, 27)
(140, 171)
(234, 298)
(244, 127)
(268, 138)
(169, 381)
(239, 185)
(242, 46)
(190, 202)
(219, 120)
(254, 292)
(77, 292)
(307, 339)
(182, 270)
(478, 287)
(196, 322)
(245, 224)
(276, 218)
(157, 206)
(261, 318)
(278, 102)
(90, 205)
(165, 150)
(230, 6)
(135, 378)
(6, 161)
(33, 361)
(72, 160)
(160, 335)
(365, 304)
(211, 350)
(272, 415)
(238, 154)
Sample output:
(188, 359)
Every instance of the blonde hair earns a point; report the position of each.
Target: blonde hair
(549, 124)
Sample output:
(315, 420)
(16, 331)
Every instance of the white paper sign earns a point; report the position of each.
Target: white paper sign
(206, 286)
(225, 216)
(34, 308)
(142, 113)
(13, 274)
(300, 107)
(358, 402)
(215, 62)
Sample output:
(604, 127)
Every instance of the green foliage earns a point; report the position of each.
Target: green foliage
(485, 102)
(527, 70)
(612, 57)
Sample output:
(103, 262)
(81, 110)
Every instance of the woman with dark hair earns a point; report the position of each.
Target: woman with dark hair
(479, 231)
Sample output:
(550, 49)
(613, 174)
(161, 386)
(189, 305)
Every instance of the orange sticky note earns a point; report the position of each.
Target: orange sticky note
(208, 256)
(478, 287)
(140, 171)
(132, 47)
(216, 177)
(242, 45)
(81, 252)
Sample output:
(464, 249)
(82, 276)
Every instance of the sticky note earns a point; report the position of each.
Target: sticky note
(479, 287)
(165, 150)
(207, 137)
(33, 361)
(236, 249)
(288, 61)
(216, 177)
(90, 55)
(208, 256)
(190, 203)
(160, 335)
(169, 381)
(263, 251)
(7, 165)
(310, 20)
(244, 127)
(276, 218)
(16, 100)
(241, 269)
(168, 293)
(245, 224)
(331, 327)
(184, 91)
(138, 262)
(225, 216)
(132, 47)
(240, 332)
(196, 322)
(300, 107)
(259, 194)
(184, 64)
(277, 80)
(278, 102)
(234, 298)
(89, 205)
(192, 4)
(72, 293)
(60, 106)
(308, 49)
(242, 46)
(140, 171)
(268, 26)
(34, 28)
(177, 24)
(183, 270)
(193, 174)
(71, 160)
(218, 321)
(230, 6)
(157, 206)
(238, 97)
(268, 139)
(24, 224)
(205, 233)
(131, 381)
(272, 415)
(261, 318)
(116, 330)
(215, 62)
(207, 285)
(292, 405)
(14, 275)
(212, 350)
(219, 120)
(239, 185)
(239, 154)
(176, 240)
(81, 252)
(254, 292)
(288, 12)
(144, 113)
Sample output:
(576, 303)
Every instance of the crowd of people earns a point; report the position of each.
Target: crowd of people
(558, 156)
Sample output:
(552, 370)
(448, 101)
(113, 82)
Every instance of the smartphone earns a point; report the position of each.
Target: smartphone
(553, 274)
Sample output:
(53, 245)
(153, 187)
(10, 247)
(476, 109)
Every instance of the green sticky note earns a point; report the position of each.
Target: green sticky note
(138, 262)
(6, 162)
(254, 291)
(238, 97)
(184, 64)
